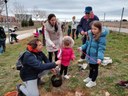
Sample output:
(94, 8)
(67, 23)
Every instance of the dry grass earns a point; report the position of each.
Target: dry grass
(117, 49)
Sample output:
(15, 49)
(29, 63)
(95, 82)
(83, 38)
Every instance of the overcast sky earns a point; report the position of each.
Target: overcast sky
(67, 8)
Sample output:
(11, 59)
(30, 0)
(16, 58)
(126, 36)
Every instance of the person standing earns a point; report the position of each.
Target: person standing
(66, 54)
(53, 36)
(74, 25)
(95, 48)
(85, 25)
(2, 40)
(43, 30)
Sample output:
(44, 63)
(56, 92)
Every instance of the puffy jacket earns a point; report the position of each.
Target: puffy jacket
(95, 49)
(66, 55)
(33, 65)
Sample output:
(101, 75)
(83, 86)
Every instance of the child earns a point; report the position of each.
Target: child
(36, 34)
(66, 54)
(95, 48)
(13, 36)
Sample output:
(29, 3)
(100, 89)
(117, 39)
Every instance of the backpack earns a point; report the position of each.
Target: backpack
(19, 64)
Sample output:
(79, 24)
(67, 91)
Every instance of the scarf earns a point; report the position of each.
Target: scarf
(31, 49)
(91, 16)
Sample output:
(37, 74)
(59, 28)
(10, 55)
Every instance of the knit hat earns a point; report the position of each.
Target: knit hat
(88, 9)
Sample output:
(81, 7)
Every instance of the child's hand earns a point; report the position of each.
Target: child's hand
(58, 62)
(79, 49)
(98, 61)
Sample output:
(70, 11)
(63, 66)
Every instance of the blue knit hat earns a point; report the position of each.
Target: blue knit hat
(88, 9)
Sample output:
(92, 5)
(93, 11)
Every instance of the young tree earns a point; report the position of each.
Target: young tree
(1, 6)
(31, 23)
(19, 9)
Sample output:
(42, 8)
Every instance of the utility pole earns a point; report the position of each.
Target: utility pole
(7, 19)
(104, 19)
(121, 19)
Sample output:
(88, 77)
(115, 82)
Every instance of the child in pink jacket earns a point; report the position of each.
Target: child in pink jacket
(66, 54)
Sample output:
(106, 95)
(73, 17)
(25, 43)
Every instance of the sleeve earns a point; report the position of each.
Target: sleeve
(33, 62)
(59, 54)
(84, 46)
(61, 35)
(73, 55)
(79, 27)
(44, 58)
(101, 47)
(47, 38)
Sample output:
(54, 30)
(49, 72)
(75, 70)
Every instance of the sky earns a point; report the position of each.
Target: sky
(65, 9)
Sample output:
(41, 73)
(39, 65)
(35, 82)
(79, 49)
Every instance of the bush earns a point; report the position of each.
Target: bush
(24, 23)
(31, 23)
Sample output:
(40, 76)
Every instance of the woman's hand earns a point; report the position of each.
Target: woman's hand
(58, 62)
(53, 46)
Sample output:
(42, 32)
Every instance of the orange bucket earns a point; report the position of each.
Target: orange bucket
(13, 93)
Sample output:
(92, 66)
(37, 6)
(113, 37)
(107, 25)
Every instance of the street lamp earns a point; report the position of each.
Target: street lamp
(7, 19)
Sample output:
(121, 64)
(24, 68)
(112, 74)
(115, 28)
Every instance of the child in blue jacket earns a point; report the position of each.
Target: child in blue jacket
(95, 48)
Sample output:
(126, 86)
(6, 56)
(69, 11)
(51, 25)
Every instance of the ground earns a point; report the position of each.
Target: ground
(117, 49)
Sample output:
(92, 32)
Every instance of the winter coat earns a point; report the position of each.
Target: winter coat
(53, 37)
(66, 55)
(33, 65)
(74, 24)
(95, 49)
(85, 25)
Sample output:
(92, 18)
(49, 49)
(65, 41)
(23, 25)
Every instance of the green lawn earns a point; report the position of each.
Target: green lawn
(117, 49)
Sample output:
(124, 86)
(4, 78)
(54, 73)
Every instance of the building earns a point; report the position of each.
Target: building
(21, 17)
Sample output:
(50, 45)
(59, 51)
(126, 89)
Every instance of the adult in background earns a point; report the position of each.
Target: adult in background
(85, 25)
(74, 25)
(53, 36)
(2, 40)
(43, 37)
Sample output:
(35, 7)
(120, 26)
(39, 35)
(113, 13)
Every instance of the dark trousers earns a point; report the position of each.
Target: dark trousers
(50, 55)
(77, 34)
(93, 71)
(43, 39)
(14, 36)
(63, 69)
(73, 33)
(3, 44)
(83, 42)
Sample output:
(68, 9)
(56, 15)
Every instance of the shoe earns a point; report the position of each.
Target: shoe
(91, 84)
(84, 66)
(87, 80)
(40, 82)
(66, 77)
(122, 83)
(20, 93)
(81, 60)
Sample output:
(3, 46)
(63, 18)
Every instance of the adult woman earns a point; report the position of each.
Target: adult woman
(32, 66)
(53, 36)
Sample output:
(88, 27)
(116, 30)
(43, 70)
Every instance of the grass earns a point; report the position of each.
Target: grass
(117, 49)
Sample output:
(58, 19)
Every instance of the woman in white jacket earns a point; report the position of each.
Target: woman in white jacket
(53, 36)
